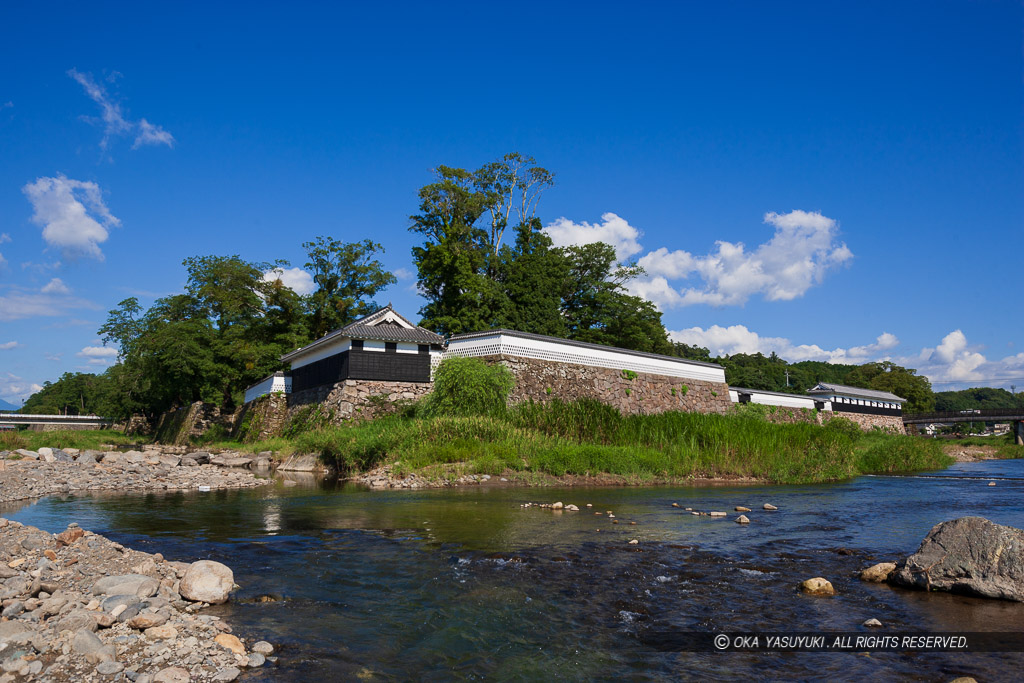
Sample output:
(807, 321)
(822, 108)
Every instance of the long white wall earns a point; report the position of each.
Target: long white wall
(523, 347)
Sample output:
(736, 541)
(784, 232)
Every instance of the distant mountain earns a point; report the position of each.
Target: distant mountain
(4, 405)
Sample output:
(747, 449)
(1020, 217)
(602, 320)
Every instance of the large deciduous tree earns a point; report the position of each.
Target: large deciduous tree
(348, 277)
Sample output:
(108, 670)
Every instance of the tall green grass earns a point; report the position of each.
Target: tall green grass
(589, 438)
(84, 439)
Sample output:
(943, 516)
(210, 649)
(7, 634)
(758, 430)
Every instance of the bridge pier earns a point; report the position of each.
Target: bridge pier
(1018, 432)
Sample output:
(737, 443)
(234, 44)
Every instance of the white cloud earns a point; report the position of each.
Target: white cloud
(404, 274)
(738, 339)
(954, 360)
(152, 135)
(55, 286)
(953, 363)
(97, 352)
(9, 345)
(4, 237)
(114, 122)
(20, 303)
(612, 230)
(296, 279)
(72, 214)
(797, 257)
(16, 390)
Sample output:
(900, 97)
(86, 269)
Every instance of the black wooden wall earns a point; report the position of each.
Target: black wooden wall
(388, 365)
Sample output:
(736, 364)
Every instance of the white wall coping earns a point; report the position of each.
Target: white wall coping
(274, 383)
(539, 347)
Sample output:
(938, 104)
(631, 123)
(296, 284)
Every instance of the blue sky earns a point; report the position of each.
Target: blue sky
(825, 181)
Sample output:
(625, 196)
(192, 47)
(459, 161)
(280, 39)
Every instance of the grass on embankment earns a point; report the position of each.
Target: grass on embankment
(84, 439)
(587, 438)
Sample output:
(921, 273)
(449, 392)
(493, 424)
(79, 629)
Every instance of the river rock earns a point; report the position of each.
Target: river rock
(207, 581)
(263, 647)
(874, 623)
(226, 675)
(165, 632)
(817, 586)
(15, 632)
(76, 620)
(172, 674)
(127, 584)
(742, 519)
(144, 620)
(718, 514)
(230, 642)
(109, 668)
(970, 555)
(256, 660)
(877, 573)
(740, 508)
(769, 506)
(557, 506)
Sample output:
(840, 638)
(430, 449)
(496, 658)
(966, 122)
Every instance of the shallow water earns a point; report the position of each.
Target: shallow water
(467, 584)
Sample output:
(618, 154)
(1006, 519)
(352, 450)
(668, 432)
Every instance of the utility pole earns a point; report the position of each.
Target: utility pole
(787, 378)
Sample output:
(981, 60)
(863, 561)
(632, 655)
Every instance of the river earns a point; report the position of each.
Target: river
(467, 584)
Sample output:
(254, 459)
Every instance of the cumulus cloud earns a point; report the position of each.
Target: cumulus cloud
(115, 124)
(4, 237)
(55, 286)
(954, 360)
(404, 274)
(15, 389)
(803, 248)
(9, 345)
(97, 352)
(71, 213)
(611, 230)
(951, 364)
(738, 339)
(296, 279)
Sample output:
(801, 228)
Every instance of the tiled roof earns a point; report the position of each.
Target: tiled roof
(856, 392)
(364, 328)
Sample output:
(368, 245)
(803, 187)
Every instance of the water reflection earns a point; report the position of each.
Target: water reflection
(466, 583)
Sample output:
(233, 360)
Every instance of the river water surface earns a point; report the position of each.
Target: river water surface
(467, 584)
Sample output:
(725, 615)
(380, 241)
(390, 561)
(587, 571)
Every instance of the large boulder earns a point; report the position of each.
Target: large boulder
(207, 581)
(970, 555)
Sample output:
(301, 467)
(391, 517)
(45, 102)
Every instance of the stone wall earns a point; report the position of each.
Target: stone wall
(889, 423)
(358, 398)
(262, 418)
(631, 393)
(179, 427)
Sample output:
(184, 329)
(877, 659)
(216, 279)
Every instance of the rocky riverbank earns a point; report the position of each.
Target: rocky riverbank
(79, 607)
(31, 474)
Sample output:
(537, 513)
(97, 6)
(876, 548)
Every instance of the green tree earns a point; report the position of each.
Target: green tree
(598, 309)
(348, 277)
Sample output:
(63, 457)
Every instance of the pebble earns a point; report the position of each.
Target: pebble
(740, 508)
(718, 514)
(872, 622)
(769, 506)
(634, 542)
(991, 483)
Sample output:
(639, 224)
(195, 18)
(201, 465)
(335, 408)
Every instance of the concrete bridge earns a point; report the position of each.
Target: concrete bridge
(48, 423)
(1012, 415)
